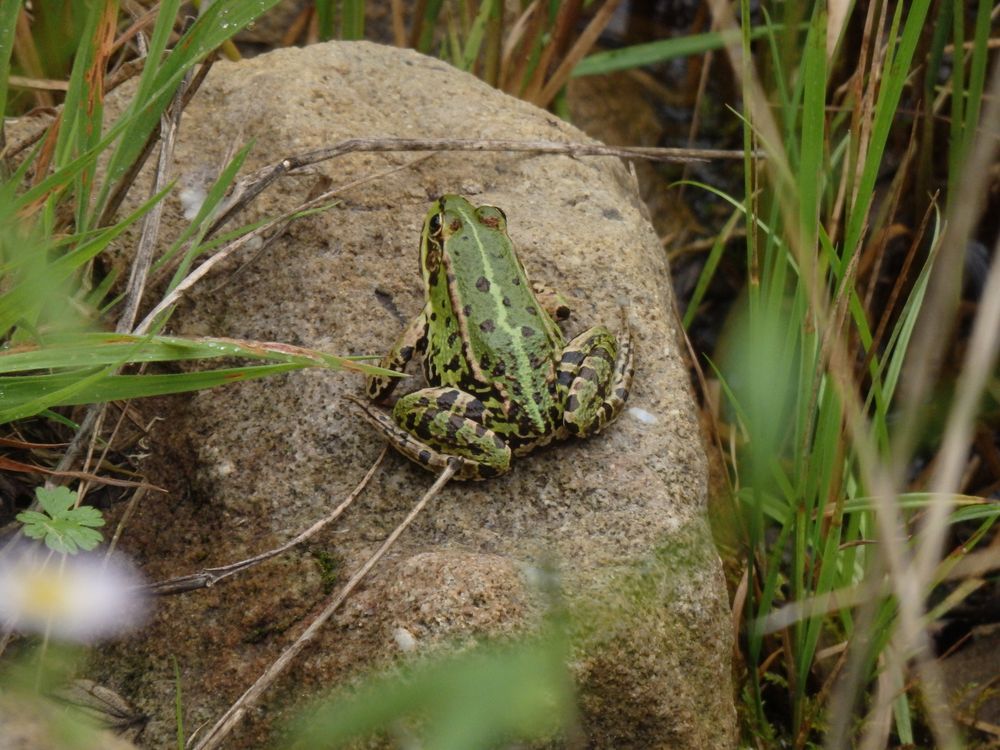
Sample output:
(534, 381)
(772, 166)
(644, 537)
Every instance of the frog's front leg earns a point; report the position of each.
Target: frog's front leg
(412, 340)
(434, 426)
(595, 374)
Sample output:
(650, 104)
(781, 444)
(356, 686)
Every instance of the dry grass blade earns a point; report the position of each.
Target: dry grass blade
(519, 36)
(9, 464)
(40, 84)
(27, 56)
(143, 261)
(576, 53)
(235, 713)
(565, 23)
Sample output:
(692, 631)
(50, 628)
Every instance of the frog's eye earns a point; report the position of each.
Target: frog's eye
(434, 224)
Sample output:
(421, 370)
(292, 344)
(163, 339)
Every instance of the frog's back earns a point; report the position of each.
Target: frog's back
(503, 345)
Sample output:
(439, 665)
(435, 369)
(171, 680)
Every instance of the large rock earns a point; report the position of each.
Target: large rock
(621, 515)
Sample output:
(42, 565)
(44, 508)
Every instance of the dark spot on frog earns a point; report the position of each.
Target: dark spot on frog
(484, 361)
(531, 310)
(483, 284)
(434, 316)
(452, 338)
(516, 281)
(447, 399)
(537, 398)
(506, 301)
(474, 410)
(527, 331)
(487, 326)
(454, 364)
(499, 369)
(467, 310)
(572, 357)
(456, 225)
(424, 456)
(572, 403)
(535, 362)
(612, 213)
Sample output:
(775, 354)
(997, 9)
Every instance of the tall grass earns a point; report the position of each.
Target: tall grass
(822, 384)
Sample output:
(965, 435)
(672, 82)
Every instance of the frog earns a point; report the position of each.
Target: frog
(502, 380)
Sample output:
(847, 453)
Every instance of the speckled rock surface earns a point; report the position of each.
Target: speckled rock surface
(621, 516)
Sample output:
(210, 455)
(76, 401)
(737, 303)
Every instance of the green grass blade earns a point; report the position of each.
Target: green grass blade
(8, 23)
(474, 39)
(428, 24)
(899, 60)
(40, 280)
(324, 19)
(708, 271)
(201, 224)
(217, 23)
(352, 25)
(638, 55)
(810, 167)
(28, 395)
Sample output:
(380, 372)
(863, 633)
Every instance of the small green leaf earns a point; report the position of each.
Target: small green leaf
(63, 528)
(56, 501)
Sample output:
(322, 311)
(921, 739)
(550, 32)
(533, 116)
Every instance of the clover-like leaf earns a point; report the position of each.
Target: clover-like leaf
(62, 527)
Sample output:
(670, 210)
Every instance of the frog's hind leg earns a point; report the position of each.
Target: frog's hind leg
(596, 372)
(447, 418)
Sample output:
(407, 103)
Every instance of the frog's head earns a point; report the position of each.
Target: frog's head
(449, 216)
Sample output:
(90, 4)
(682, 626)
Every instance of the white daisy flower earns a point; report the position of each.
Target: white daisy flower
(81, 597)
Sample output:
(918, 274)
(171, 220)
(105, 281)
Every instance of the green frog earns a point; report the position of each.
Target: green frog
(502, 379)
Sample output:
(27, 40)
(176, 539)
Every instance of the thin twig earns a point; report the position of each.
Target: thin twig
(250, 186)
(210, 576)
(235, 713)
(169, 125)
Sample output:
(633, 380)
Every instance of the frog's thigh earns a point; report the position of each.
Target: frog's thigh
(597, 373)
(433, 425)
(412, 339)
